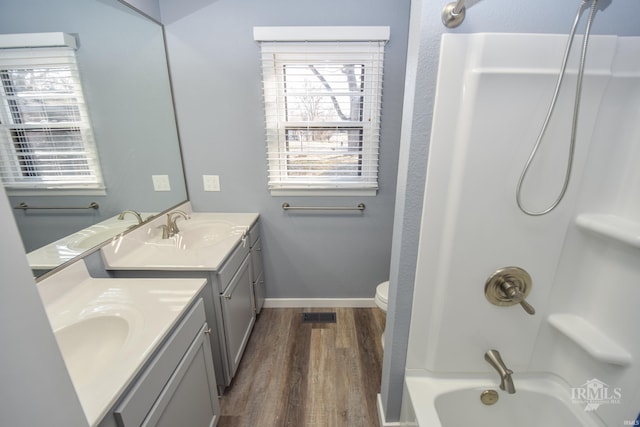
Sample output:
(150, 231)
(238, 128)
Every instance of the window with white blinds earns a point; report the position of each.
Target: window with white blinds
(46, 140)
(322, 105)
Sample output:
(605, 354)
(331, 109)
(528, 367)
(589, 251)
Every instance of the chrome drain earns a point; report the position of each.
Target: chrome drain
(489, 397)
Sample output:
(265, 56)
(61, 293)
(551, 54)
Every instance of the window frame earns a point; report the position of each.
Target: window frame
(358, 45)
(40, 55)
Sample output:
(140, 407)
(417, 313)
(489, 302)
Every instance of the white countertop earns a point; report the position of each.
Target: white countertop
(108, 328)
(144, 249)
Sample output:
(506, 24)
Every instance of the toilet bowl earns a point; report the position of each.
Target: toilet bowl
(382, 295)
(381, 299)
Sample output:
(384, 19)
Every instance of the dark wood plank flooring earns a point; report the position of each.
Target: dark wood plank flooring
(298, 374)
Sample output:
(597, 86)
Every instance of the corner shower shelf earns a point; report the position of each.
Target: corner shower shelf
(590, 339)
(611, 226)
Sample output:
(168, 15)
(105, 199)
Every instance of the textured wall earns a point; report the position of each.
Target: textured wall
(34, 384)
(216, 71)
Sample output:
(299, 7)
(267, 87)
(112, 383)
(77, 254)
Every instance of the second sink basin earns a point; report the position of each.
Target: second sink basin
(203, 243)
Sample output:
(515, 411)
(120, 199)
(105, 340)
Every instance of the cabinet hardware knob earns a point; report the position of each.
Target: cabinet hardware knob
(227, 296)
(207, 331)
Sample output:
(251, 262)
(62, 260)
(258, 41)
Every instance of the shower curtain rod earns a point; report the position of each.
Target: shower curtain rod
(453, 14)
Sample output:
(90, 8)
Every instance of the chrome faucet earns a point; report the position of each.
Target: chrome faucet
(134, 213)
(506, 382)
(170, 229)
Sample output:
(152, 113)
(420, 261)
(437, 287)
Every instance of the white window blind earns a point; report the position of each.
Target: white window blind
(322, 105)
(46, 140)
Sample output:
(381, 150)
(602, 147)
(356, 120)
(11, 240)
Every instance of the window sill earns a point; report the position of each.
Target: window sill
(324, 192)
(58, 192)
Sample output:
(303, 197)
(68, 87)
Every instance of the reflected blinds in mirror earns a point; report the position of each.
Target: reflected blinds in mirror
(46, 140)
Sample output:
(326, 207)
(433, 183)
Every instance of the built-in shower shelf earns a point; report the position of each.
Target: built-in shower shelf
(590, 338)
(611, 226)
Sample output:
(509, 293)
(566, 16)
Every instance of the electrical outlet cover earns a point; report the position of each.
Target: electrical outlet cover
(211, 182)
(161, 182)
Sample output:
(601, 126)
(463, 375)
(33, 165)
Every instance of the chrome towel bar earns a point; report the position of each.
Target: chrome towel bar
(287, 207)
(24, 206)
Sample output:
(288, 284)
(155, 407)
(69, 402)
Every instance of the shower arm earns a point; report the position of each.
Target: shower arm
(453, 14)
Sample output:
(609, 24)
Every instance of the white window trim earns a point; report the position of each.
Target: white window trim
(288, 43)
(316, 34)
(63, 45)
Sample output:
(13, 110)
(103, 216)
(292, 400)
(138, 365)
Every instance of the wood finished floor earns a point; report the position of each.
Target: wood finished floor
(298, 374)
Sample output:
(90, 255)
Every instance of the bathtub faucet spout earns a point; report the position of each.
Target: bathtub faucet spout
(495, 360)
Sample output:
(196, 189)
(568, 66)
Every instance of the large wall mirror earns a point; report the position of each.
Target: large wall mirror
(123, 68)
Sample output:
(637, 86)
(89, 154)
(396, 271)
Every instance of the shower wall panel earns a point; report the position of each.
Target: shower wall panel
(492, 97)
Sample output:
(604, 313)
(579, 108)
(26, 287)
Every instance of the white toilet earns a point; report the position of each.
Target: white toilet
(381, 299)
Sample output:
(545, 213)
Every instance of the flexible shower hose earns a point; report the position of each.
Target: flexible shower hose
(576, 109)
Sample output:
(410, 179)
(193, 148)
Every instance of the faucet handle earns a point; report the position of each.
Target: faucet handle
(509, 286)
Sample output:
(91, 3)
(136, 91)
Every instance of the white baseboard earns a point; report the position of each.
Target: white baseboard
(381, 416)
(319, 302)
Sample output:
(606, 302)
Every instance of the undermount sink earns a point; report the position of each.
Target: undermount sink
(91, 344)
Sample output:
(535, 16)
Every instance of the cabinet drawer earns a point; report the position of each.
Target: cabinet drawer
(230, 266)
(140, 399)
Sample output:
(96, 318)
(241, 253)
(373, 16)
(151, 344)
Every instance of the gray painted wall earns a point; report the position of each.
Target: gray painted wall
(124, 74)
(216, 73)
(35, 387)
(544, 16)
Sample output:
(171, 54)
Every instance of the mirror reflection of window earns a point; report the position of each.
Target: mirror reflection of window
(46, 140)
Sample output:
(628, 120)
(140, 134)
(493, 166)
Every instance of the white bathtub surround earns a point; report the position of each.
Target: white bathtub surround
(493, 93)
(115, 323)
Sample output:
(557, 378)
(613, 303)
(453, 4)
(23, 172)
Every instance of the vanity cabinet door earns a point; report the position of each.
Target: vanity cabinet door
(238, 314)
(178, 383)
(256, 275)
(190, 397)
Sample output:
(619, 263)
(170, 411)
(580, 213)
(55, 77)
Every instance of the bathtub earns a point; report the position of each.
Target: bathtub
(539, 401)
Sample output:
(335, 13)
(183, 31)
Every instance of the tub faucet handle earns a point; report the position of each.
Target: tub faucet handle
(516, 295)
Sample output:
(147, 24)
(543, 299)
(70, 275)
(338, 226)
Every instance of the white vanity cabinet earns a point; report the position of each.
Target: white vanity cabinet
(257, 277)
(178, 386)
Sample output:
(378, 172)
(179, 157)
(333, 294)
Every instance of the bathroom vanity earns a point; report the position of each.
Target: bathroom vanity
(137, 350)
(224, 249)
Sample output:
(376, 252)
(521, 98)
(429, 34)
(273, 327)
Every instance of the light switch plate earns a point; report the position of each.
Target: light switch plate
(211, 182)
(161, 182)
